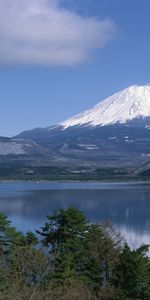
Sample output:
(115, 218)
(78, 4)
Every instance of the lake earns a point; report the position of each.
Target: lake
(127, 205)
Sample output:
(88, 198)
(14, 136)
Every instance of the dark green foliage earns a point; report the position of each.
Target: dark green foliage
(31, 238)
(65, 235)
(132, 274)
(103, 248)
(73, 260)
(8, 235)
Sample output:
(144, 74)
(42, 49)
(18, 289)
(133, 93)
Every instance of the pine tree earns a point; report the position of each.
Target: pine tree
(65, 235)
(132, 275)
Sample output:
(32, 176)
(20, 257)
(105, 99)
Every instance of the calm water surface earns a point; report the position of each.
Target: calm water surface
(126, 205)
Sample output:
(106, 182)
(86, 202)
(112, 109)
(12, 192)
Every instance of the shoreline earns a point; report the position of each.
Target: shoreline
(77, 181)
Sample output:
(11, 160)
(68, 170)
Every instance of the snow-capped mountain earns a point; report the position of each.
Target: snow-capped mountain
(113, 134)
(126, 105)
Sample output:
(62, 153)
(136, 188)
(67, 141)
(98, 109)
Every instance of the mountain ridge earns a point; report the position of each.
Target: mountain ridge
(111, 150)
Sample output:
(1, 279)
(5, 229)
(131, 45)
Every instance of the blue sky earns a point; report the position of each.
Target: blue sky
(68, 59)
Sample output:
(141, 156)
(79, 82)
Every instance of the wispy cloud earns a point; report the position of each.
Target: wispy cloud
(42, 32)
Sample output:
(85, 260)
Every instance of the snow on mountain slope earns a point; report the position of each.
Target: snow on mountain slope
(121, 107)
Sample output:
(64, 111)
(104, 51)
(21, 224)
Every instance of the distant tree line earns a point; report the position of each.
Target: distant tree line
(16, 171)
(71, 259)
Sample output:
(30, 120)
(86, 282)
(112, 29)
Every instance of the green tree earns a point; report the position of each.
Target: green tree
(103, 248)
(9, 237)
(132, 274)
(31, 239)
(65, 235)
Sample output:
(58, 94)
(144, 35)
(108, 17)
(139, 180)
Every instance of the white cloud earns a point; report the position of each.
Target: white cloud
(41, 32)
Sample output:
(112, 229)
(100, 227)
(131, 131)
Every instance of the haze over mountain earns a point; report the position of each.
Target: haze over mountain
(113, 134)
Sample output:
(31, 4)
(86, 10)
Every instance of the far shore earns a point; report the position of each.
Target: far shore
(77, 181)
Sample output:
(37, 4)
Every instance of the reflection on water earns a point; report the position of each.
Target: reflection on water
(126, 205)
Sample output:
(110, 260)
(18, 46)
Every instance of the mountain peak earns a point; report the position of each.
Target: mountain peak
(123, 106)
